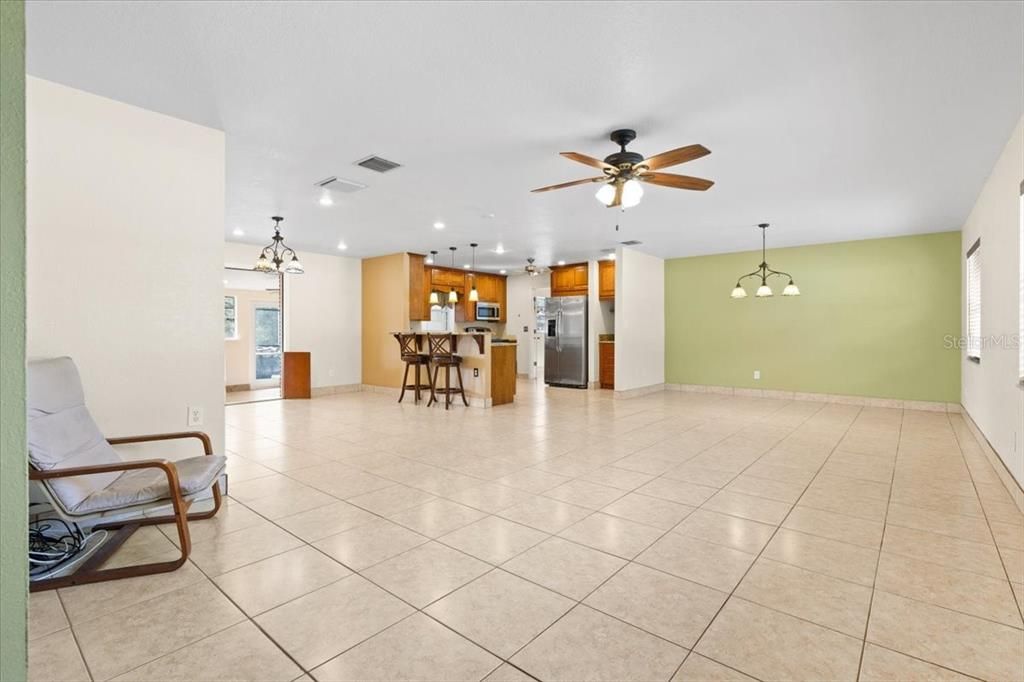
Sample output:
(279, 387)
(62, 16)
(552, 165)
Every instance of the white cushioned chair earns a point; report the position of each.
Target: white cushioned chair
(84, 479)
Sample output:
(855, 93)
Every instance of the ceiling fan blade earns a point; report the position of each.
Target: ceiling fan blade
(675, 156)
(677, 181)
(588, 160)
(568, 184)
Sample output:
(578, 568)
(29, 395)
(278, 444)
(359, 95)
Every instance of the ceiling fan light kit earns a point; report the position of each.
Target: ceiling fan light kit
(277, 251)
(763, 272)
(624, 171)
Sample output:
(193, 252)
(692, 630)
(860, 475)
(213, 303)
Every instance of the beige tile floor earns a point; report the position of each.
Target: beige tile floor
(571, 536)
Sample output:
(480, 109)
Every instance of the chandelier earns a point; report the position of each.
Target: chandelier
(764, 272)
(277, 250)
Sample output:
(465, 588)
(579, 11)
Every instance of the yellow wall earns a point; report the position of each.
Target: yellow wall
(238, 365)
(385, 311)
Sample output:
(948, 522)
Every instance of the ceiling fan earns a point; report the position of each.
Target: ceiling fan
(624, 171)
(531, 269)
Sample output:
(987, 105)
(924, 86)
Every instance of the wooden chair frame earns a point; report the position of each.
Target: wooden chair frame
(410, 346)
(442, 353)
(89, 571)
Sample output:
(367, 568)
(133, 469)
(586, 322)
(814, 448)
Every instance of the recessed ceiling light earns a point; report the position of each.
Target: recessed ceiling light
(611, 256)
(438, 225)
(488, 215)
(502, 271)
(238, 232)
(342, 246)
(225, 281)
(326, 200)
(499, 249)
(561, 262)
(466, 266)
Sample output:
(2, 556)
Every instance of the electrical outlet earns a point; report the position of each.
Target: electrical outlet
(476, 372)
(195, 416)
(757, 375)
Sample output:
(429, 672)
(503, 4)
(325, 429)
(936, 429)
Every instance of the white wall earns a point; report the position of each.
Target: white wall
(992, 394)
(519, 299)
(639, 320)
(322, 309)
(125, 224)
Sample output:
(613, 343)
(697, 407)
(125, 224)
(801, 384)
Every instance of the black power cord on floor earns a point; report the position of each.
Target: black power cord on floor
(54, 545)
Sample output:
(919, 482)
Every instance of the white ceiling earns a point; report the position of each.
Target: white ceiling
(832, 121)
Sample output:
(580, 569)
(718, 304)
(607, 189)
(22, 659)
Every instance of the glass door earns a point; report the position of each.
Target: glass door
(267, 346)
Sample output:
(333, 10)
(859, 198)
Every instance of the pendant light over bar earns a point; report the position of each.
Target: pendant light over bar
(453, 296)
(434, 298)
(473, 295)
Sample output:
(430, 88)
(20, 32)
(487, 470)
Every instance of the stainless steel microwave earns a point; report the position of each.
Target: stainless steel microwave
(488, 311)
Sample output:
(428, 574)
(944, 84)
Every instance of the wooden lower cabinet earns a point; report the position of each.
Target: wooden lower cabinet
(607, 364)
(296, 375)
(503, 373)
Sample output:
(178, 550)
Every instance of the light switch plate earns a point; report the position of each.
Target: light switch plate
(757, 375)
(195, 416)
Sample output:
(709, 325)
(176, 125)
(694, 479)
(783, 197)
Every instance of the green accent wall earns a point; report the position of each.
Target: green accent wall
(874, 318)
(13, 461)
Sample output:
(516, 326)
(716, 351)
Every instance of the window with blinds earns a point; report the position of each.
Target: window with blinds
(974, 302)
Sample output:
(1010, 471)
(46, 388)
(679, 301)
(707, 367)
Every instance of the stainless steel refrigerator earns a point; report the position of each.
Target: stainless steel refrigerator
(565, 343)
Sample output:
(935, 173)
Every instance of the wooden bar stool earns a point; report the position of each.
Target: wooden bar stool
(412, 357)
(442, 354)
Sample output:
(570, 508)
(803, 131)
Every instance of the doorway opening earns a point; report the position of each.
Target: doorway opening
(253, 335)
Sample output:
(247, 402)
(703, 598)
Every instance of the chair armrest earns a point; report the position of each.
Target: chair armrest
(207, 445)
(168, 467)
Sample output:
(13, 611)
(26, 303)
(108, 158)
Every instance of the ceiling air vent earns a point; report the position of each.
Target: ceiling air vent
(341, 185)
(631, 242)
(375, 163)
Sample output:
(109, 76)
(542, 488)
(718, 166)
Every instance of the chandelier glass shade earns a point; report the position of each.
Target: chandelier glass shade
(278, 256)
(762, 273)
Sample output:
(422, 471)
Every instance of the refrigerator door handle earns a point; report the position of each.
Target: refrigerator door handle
(558, 332)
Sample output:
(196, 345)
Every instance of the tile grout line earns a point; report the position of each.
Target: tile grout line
(988, 523)
(881, 546)
(732, 593)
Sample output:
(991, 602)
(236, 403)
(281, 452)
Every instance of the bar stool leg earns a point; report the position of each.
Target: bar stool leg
(433, 385)
(416, 400)
(447, 386)
(462, 391)
(405, 380)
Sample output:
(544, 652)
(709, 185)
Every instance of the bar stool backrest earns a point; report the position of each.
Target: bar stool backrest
(407, 344)
(442, 345)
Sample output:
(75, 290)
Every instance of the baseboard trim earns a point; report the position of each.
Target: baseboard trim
(1013, 487)
(867, 401)
(640, 391)
(320, 391)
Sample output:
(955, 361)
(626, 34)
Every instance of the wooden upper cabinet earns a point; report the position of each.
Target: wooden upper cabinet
(423, 279)
(569, 280)
(445, 277)
(419, 289)
(606, 279)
